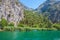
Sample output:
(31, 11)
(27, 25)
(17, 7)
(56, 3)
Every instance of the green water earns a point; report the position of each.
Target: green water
(33, 35)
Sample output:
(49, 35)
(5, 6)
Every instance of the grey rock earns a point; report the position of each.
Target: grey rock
(52, 7)
(11, 10)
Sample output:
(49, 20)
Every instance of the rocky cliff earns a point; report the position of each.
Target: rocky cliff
(11, 10)
(52, 7)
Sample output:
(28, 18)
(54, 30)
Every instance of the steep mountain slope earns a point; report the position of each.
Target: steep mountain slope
(11, 10)
(52, 7)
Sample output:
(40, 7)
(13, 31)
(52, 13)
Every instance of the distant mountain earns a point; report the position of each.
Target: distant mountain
(25, 7)
(52, 7)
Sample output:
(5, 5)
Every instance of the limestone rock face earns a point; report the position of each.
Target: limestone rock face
(11, 10)
(52, 7)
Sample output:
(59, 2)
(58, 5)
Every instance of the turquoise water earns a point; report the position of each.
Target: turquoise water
(32, 35)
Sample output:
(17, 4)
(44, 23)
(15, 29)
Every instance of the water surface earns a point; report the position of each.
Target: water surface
(32, 35)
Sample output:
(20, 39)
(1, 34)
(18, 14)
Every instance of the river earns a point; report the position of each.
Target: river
(30, 35)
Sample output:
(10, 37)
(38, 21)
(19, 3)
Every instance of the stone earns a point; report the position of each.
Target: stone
(11, 10)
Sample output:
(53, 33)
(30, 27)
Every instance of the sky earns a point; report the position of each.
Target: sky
(32, 3)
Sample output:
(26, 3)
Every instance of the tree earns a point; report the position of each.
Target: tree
(4, 22)
(11, 24)
(57, 26)
(34, 19)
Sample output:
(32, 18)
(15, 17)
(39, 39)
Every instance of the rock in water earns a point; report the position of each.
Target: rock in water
(11, 10)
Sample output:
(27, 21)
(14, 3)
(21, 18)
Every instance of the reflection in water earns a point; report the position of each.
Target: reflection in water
(15, 35)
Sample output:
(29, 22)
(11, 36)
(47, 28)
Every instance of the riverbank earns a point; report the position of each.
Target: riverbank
(25, 29)
(1, 30)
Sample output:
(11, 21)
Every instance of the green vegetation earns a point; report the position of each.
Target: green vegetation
(56, 25)
(11, 24)
(3, 22)
(32, 20)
